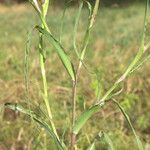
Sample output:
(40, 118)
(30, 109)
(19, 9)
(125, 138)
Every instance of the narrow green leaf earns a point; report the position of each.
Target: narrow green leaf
(45, 7)
(92, 146)
(109, 141)
(76, 28)
(36, 118)
(60, 51)
(84, 117)
(140, 63)
(130, 124)
(141, 51)
(63, 19)
(94, 13)
(92, 16)
(26, 65)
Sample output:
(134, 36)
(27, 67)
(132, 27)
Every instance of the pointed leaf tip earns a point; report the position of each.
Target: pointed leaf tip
(60, 51)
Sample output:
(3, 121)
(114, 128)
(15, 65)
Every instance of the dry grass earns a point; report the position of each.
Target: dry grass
(12, 8)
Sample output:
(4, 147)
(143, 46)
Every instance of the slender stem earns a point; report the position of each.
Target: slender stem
(74, 88)
(73, 137)
(73, 101)
(43, 72)
(74, 93)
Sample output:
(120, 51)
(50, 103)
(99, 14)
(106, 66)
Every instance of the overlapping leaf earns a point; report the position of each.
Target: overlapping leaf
(60, 51)
(36, 118)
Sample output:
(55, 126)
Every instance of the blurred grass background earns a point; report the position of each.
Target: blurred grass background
(113, 43)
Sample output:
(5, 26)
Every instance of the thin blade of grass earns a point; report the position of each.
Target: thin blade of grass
(141, 49)
(108, 141)
(76, 28)
(26, 65)
(92, 146)
(92, 15)
(140, 146)
(45, 7)
(36, 118)
(63, 18)
(140, 64)
(60, 51)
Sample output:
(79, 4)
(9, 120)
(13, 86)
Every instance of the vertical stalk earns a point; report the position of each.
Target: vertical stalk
(74, 88)
(73, 136)
(73, 101)
(45, 89)
(42, 64)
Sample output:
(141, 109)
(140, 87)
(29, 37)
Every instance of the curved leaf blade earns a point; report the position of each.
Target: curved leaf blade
(60, 51)
(108, 141)
(140, 146)
(36, 118)
(84, 117)
(92, 146)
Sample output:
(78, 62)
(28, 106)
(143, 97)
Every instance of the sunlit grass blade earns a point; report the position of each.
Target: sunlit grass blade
(92, 146)
(108, 141)
(37, 119)
(45, 7)
(140, 64)
(60, 51)
(130, 124)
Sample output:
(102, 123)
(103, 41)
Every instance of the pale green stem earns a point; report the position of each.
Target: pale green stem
(43, 72)
(85, 44)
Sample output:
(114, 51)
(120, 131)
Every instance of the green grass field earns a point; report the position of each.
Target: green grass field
(113, 44)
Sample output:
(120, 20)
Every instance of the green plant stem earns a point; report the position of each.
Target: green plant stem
(129, 123)
(87, 34)
(42, 9)
(43, 71)
(85, 44)
(73, 136)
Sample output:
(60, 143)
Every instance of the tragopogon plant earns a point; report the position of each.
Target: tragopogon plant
(41, 8)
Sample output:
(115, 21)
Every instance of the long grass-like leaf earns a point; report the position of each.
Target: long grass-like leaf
(130, 124)
(140, 64)
(45, 6)
(60, 51)
(63, 18)
(92, 146)
(108, 141)
(84, 117)
(76, 28)
(92, 16)
(26, 65)
(36, 118)
(141, 49)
